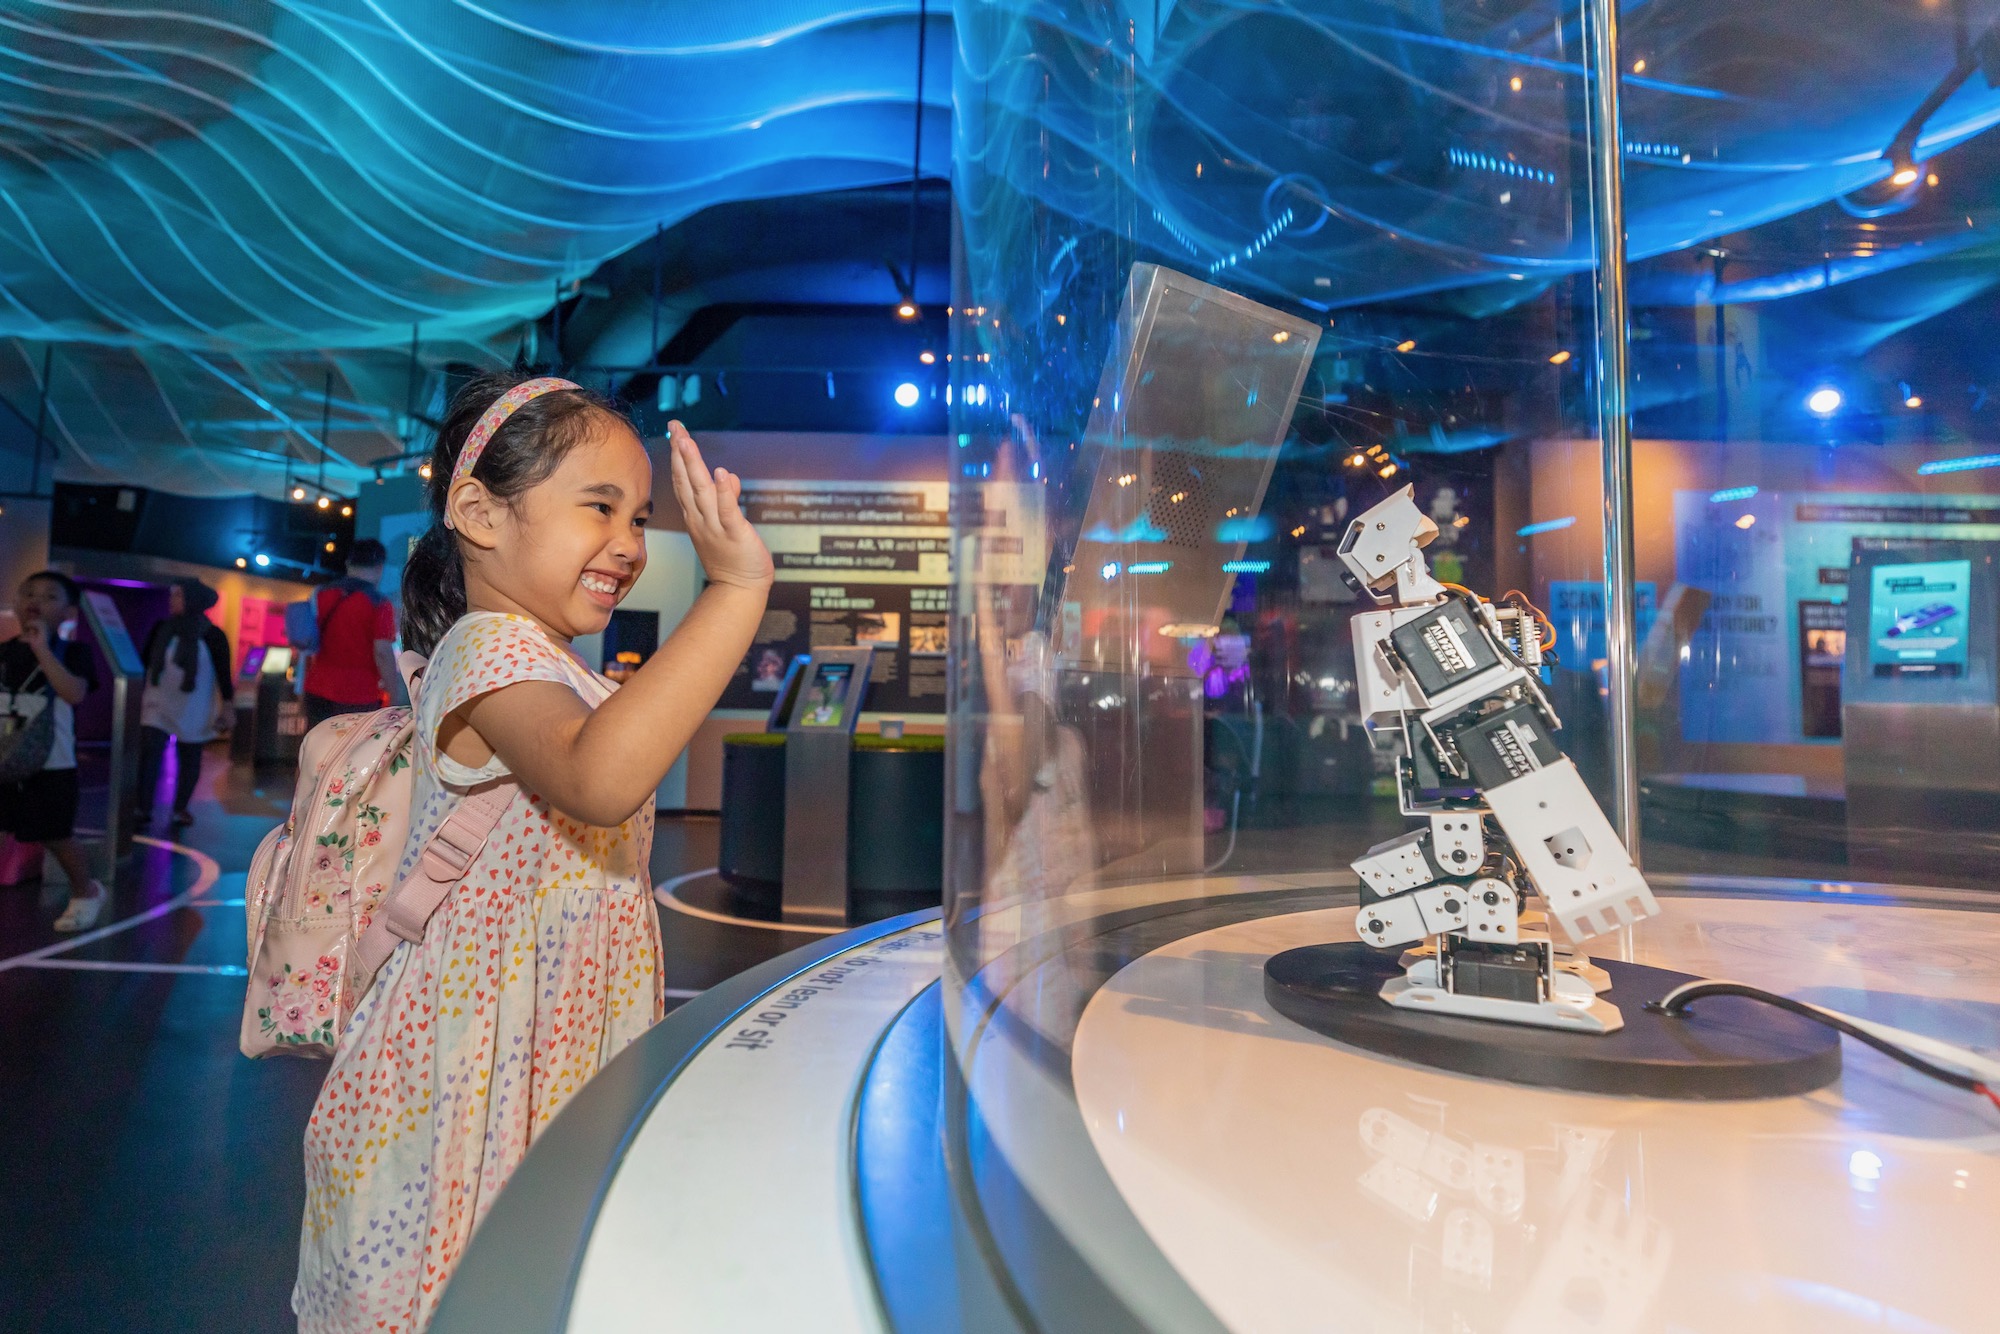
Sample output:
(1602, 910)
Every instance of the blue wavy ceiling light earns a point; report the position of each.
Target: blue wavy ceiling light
(207, 208)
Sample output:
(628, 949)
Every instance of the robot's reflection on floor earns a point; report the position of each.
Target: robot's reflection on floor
(1453, 681)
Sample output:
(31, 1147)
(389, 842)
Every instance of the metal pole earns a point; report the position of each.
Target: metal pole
(325, 425)
(653, 348)
(410, 392)
(115, 832)
(42, 421)
(917, 147)
(555, 333)
(1607, 189)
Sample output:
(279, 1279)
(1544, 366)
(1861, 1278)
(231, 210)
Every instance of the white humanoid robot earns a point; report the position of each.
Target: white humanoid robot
(1455, 681)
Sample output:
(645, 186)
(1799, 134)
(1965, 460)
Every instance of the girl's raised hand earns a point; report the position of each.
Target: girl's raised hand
(728, 547)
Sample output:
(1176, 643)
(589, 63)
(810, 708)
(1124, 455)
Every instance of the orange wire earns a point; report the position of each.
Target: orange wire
(1527, 605)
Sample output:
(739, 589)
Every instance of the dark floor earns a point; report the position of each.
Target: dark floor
(150, 1176)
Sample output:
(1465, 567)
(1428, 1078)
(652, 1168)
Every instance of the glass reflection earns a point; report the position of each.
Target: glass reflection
(1510, 1226)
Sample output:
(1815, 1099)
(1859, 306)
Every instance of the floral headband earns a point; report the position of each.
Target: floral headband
(491, 420)
(496, 416)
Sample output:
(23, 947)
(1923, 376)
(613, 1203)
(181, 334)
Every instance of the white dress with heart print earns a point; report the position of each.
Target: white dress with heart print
(540, 967)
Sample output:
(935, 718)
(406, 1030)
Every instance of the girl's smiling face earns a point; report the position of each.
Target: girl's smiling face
(566, 552)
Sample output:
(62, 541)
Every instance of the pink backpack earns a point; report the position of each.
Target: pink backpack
(323, 916)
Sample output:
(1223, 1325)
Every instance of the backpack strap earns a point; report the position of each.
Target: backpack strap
(410, 905)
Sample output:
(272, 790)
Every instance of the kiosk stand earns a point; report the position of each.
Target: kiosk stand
(126, 667)
(819, 734)
(1920, 701)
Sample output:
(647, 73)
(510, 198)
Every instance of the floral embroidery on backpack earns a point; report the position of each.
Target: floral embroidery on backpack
(299, 1008)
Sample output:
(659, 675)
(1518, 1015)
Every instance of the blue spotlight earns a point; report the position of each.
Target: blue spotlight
(1546, 526)
(1730, 493)
(906, 395)
(1824, 401)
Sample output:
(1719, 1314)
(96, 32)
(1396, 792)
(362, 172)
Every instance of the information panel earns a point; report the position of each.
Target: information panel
(859, 564)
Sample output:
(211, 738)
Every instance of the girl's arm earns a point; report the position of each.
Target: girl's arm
(69, 687)
(600, 765)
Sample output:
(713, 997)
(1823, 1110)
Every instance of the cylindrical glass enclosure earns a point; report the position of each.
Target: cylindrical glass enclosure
(1227, 275)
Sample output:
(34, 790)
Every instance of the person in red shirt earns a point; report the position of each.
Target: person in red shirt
(355, 665)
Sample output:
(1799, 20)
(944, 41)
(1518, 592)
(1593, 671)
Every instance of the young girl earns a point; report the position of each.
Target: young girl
(545, 961)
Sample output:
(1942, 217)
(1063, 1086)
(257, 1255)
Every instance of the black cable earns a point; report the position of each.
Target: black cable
(1675, 1006)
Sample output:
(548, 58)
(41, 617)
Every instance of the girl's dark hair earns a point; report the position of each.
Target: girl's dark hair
(523, 453)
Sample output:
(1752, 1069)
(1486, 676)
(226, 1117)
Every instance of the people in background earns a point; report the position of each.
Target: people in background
(187, 697)
(354, 668)
(544, 961)
(43, 669)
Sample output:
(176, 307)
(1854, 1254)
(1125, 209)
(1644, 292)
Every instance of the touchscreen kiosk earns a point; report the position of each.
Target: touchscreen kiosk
(780, 715)
(1920, 705)
(126, 667)
(829, 687)
(826, 695)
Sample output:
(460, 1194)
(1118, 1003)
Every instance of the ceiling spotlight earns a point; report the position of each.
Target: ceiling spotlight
(1639, 67)
(326, 502)
(1905, 176)
(424, 471)
(298, 493)
(906, 310)
(347, 511)
(906, 395)
(262, 560)
(1913, 401)
(242, 562)
(1407, 345)
(1746, 521)
(1559, 358)
(1386, 470)
(1931, 179)
(1824, 401)
(1515, 83)
(928, 357)
(329, 548)
(1356, 460)
(1280, 336)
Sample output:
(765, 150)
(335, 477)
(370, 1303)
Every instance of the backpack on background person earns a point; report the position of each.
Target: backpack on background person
(323, 907)
(26, 741)
(305, 624)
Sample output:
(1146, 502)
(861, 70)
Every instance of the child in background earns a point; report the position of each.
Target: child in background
(544, 962)
(40, 669)
(187, 699)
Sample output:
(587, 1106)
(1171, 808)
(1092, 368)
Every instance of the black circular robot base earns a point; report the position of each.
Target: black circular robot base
(1723, 1047)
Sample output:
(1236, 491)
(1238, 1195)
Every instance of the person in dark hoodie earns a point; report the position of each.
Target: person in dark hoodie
(187, 695)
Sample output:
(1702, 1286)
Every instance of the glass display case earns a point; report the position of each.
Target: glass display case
(1225, 277)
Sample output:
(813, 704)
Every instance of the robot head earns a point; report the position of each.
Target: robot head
(1387, 540)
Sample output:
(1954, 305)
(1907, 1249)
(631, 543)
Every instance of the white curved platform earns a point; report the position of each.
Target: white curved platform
(1300, 1185)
